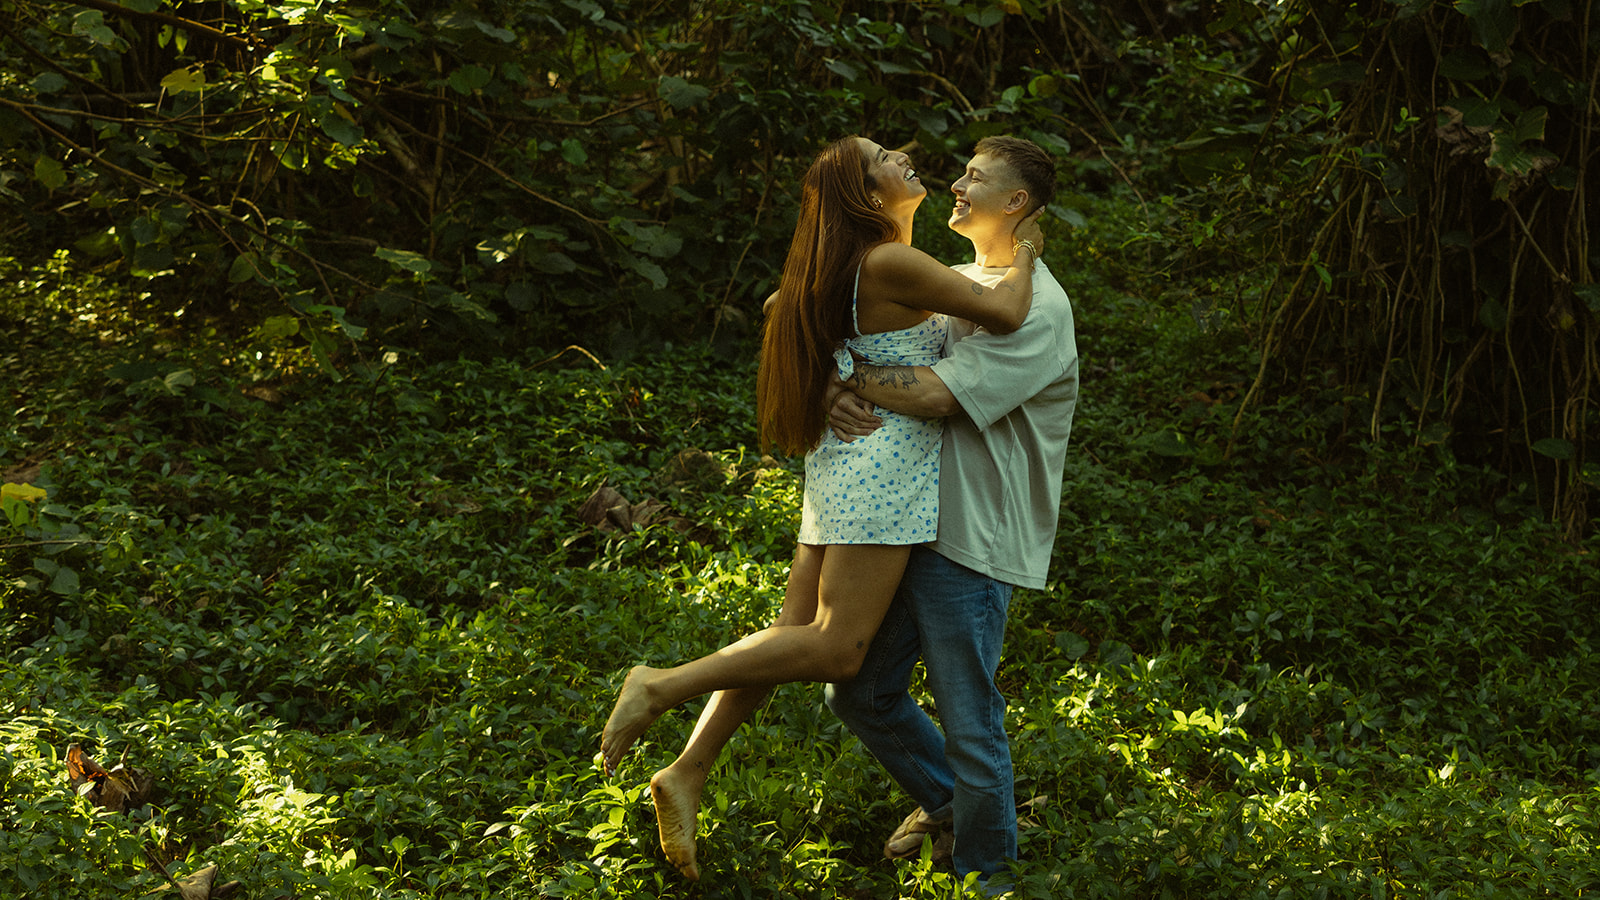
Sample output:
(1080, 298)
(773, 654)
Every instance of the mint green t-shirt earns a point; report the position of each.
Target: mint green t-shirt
(1000, 485)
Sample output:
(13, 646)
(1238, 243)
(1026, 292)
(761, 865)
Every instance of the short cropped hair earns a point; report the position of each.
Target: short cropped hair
(1033, 165)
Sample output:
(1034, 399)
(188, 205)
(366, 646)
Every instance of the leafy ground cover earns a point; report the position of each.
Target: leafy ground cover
(361, 641)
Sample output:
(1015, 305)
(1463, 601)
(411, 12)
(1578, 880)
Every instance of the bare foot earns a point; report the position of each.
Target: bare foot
(677, 808)
(629, 718)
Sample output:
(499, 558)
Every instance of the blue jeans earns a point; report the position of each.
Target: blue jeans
(955, 619)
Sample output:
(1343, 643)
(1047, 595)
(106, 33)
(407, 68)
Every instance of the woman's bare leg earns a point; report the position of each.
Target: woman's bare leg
(676, 789)
(855, 586)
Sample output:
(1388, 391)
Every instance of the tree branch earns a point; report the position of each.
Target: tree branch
(189, 25)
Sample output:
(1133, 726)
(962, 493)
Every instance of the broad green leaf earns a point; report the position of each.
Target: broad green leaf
(1116, 654)
(178, 380)
(243, 268)
(143, 230)
(1555, 448)
(24, 492)
(1476, 112)
(572, 151)
(470, 78)
(334, 68)
(1530, 124)
(290, 156)
(1493, 22)
(680, 93)
(278, 327)
(90, 24)
(987, 18)
(48, 83)
(405, 259)
(352, 27)
(933, 121)
(469, 308)
(1512, 157)
(652, 272)
(499, 34)
(49, 172)
(656, 240)
(1563, 178)
(842, 69)
(339, 126)
(1071, 644)
(1053, 142)
(590, 10)
(179, 81)
(322, 350)
(151, 261)
(64, 582)
(553, 263)
(17, 513)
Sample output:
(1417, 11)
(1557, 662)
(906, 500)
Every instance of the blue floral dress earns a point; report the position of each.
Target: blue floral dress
(882, 488)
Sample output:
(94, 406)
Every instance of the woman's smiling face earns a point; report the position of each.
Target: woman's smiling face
(897, 184)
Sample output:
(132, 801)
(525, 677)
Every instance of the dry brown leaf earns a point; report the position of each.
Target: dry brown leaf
(115, 789)
(198, 885)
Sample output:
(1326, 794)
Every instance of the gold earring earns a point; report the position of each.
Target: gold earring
(876, 203)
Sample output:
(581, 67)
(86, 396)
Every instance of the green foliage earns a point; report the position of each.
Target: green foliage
(363, 642)
(503, 174)
(1407, 180)
(324, 576)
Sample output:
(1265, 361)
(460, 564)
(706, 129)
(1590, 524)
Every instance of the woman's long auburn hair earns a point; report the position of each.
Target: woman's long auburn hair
(811, 316)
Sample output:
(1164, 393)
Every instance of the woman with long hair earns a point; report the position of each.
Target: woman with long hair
(851, 283)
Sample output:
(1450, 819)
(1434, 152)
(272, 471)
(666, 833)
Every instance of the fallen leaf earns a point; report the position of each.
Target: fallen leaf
(115, 789)
(199, 885)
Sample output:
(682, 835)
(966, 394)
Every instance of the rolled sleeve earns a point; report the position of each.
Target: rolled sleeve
(992, 374)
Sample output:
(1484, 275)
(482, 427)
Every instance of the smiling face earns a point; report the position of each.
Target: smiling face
(893, 179)
(986, 195)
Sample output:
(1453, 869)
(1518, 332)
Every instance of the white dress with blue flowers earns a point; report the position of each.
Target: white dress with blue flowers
(882, 488)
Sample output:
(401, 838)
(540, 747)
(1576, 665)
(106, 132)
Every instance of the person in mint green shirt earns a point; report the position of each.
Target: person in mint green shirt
(1009, 402)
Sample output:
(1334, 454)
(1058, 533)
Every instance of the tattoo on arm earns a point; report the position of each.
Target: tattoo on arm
(885, 376)
(977, 289)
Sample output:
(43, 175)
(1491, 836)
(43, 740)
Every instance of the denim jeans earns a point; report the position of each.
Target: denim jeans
(955, 619)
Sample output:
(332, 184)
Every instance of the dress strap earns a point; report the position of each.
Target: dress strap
(841, 353)
(855, 294)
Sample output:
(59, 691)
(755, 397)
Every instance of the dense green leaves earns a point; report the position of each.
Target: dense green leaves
(363, 641)
(295, 137)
